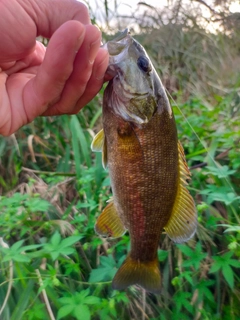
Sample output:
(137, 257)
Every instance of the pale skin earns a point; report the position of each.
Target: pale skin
(59, 79)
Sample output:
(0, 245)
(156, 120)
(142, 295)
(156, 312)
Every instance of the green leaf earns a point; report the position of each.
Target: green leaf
(37, 204)
(233, 229)
(79, 138)
(203, 290)
(223, 194)
(182, 299)
(64, 311)
(66, 300)
(21, 258)
(215, 267)
(31, 247)
(82, 312)
(195, 256)
(70, 241)
(16, 245)
(228, 275)
(92, 300)
(221, 172)
(54, 255)
(186, 250)
(56, 238)
(208, 294)
(80, 296)
(66, 251)
(23, 301)
(234, 263)
(105, 271)
(162, 255)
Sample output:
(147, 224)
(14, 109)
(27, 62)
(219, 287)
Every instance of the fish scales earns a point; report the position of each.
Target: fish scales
(145, 161)
(143, 195)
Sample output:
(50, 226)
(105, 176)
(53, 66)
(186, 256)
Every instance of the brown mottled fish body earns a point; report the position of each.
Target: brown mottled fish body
(143, 167)
(146, 165)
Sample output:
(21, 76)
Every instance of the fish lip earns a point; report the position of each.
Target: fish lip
(117, 48)
(122, 35)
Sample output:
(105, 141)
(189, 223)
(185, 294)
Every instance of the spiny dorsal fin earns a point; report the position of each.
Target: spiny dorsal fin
(183, 221)
(99, 145)
(109, 223)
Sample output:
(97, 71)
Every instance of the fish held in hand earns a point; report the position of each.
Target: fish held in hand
(146, 163)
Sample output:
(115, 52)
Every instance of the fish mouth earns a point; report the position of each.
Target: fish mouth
(118, 50)
(118, 44)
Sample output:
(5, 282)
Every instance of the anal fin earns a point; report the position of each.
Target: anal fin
(183, 220)
(109, 224)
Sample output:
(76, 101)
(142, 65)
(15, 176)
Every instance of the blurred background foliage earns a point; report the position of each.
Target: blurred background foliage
(53, 187)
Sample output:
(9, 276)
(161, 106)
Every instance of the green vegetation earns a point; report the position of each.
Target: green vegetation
(54, 266)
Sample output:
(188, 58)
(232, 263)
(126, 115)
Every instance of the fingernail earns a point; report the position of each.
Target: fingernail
(94, 46)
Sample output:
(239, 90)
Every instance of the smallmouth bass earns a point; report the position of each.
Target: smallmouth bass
(146, 163)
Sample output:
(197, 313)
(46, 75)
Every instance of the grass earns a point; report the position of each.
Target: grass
(53, 265)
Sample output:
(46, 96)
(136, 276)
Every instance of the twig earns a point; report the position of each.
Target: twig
(144, 303)
(219, 156)
(199, 165)
(3, 244)
(82, 252)
(50, 173)
(45, 297)
(206, 5)
(145, 316)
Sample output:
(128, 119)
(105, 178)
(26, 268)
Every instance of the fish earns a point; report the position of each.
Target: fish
(146, 163)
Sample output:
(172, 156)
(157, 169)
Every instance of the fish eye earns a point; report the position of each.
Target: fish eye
(144, 64)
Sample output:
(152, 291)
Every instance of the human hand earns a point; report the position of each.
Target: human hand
(59, 79)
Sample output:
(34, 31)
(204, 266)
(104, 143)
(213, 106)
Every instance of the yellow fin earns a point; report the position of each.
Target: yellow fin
(144, 273)
(99, 145)
(109, 223)
(98, 141)
(183, 221)
(104, 154)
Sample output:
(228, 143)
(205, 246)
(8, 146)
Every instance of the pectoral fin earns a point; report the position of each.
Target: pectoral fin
(98, 141)
(99, 145)
(109, 223)
(183, 221)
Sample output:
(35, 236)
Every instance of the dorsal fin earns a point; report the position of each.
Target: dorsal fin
(183, 220)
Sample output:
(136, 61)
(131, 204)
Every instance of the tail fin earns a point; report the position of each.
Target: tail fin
(145, 274)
